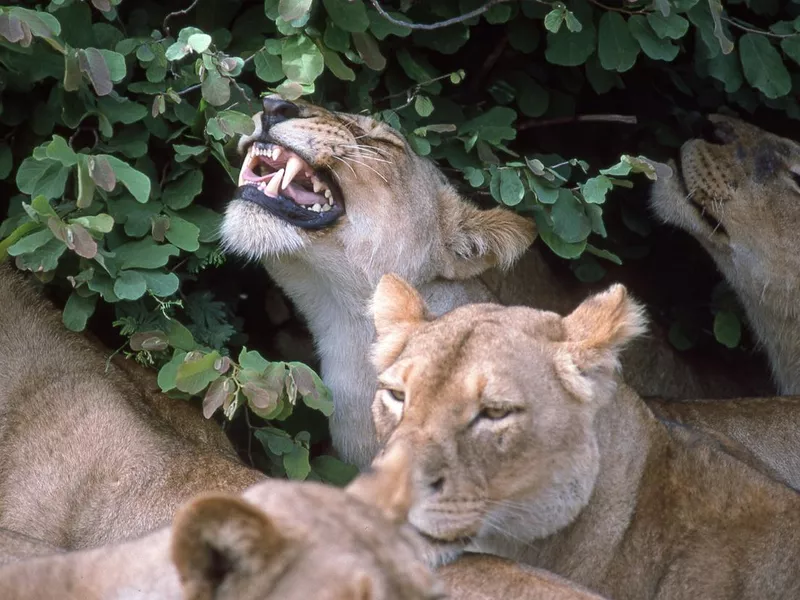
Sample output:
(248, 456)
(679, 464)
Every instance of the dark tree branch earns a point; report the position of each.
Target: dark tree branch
(177, 13)
(626, 119)
(439, 24)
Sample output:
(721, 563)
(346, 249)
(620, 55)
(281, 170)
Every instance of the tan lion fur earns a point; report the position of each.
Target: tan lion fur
(92, 456)
(402, 216)
(486, 577)
(748, 180)
(279, 540)
(527, 448)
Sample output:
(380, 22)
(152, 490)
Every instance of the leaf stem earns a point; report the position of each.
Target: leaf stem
(177, 13)
(438, 24)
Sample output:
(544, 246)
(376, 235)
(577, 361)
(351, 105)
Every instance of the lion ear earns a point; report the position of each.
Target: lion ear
(595, 334)
(476, 240)
(397, 310)
(388, 484)
(219, 536)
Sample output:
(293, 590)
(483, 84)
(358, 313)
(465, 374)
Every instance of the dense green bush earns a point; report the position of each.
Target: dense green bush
(120, 120)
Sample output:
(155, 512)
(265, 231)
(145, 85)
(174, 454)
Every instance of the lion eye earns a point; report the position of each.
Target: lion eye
(396, 395)
(494, 413)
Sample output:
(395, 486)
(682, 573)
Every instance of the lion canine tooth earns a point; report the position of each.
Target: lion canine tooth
(317, 185)
(274, 184)
(293, 166)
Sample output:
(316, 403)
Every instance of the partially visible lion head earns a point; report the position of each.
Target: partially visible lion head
(290, 540)
(327, 187)
(737, 190)
(499, 406)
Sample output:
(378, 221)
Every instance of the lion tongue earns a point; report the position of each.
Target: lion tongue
(303, 196)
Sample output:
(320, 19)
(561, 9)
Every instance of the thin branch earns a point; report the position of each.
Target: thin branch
(191, 88)
(626, 119)
(749, 29)
(177, 13)
(439, 24)
(624, 11)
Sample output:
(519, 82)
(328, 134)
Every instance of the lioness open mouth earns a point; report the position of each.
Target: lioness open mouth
(278, 180)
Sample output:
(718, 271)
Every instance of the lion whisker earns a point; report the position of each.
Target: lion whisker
(365, 165)
(349, 166)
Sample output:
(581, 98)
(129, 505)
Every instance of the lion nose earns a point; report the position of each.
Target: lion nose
(276, 109)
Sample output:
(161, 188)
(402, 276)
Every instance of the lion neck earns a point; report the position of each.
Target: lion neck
(138, 570)
(333, 296)
(772, 310)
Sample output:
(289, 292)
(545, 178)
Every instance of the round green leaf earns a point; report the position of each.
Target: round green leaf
(727, 328)
(511, 188)
(348, 15)
(616, 47)
(77, 311)
(130, 285)
(763, 66)
(199, 42)
(301, 59)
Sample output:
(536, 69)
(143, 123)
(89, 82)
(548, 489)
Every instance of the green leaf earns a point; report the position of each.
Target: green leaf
(268, 66)
(334, 471)
(596, 188)
(60, 151)
(137, 183)
(42, 207)
(121, 110)
(763, 67)
(653, 46)
(40, 23)
(115, 63)
(237, 122)
(77, 311)
(672, 26)
(220, 393)
(348, 15)
(252, 361)
(511, 188)
(130, 285)
(86, 185)
(199, 42)
(183, 234)
(570, 221)
(216, 89)
(194, 374)
(570, 49)
(555, 242)
(31, 242)
(727, 328)
(276, 441)
(336, 65)
(296, 463)
(101, 223)
(144, 254)
(301, 59)
(616, 47)
(291, 10)
(44, 258)
(369, 51)
(169, 372)
(423, 106)
(554, 19)
(47, 178)
(180, 193)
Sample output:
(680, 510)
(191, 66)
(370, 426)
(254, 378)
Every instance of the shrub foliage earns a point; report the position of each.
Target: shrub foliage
(120, 118)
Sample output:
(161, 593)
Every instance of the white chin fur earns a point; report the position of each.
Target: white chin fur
(249, 231)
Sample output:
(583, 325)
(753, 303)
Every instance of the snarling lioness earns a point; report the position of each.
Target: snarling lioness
(527, 447)
(330, 202)
(737, 190)
(280, 540)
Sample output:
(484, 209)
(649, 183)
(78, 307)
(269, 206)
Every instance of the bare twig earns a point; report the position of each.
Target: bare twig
(438, 24)
(626, 119)
(177, 13)
(191, 88)
(624, 11)
(750, 29)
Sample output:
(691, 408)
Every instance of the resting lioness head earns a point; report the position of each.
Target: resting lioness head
(328, 187)
(737, 190)
(498, 403)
